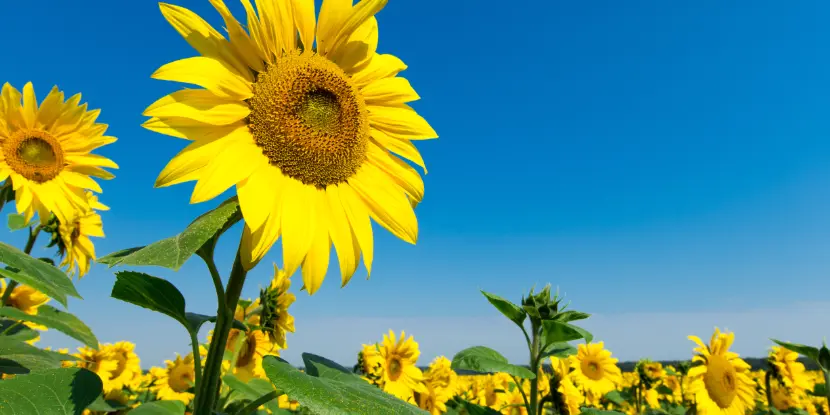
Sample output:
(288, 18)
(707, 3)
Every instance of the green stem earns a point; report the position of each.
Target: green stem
(207, 256)
(639, 387)
(767, 383)
(827, 385)
(27, 250)
(197, 358)
(534, 367)
(209, 391)
(262, 400)
(521, 390)
(11, 326)
(682, 391)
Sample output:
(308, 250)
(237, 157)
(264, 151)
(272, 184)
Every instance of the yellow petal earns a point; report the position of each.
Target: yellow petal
(403, 148)
(401, 173)
(188, 164)
(91, 171)
(189, 129)
(199, 105)
(256, 193)
(316, 262)
(10, 99)
(29, 111)
(386, 202)
(286, 30)
(269, 20)
(50, 108)
(304, 20)
(379, 67)
(388, 91)
(358, 215)
(400, 122)
(229, 167)
(359, 14)
(345, 241)
(255, 244)
(242, 43)
(208, 73)
(332, 15)
(91, 160)
(297, 223)
(80, 180)
(356, 51)
(257, 33)
(201, 36)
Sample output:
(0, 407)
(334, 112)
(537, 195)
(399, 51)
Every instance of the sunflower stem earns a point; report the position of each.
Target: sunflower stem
(197, 358)
(768, 384)
(534, 367)
(638, 387)
(33, 233)
(521, 390)
(208, 393)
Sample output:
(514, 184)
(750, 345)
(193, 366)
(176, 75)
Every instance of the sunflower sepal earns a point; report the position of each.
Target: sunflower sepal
(512, 311)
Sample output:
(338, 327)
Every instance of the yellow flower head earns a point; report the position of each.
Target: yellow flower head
(176, 380)
(720, 382)
(791, 371)
(275, 302)
(248, 347)
(401, 377)
(128, 365)
(594, 369)
(46, 152)
(440, 375)
(74, 236)
(311, 134)
(100, 361)
(24, 298)
(434, 399)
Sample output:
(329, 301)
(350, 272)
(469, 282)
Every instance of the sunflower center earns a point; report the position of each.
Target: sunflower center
(309, 119)
(720, 381)
(76, 232)
(395, 368)
(181, 381)
(592, 370)
(34, 154)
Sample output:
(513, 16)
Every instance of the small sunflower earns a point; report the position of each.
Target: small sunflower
(74, 244)
(101, 362)
(128, 365)
(789, 369)
(594, 369)
(513, 401)
(310, 133)
(434, 399)
(275, 300)
(46, 152)
(569, 397)
(401, 377)
(25, 299)
(440, 374)
(720, 380)
(176, 380)
(371, 364)
(249, 347)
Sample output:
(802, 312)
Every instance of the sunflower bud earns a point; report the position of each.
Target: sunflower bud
(541, 306)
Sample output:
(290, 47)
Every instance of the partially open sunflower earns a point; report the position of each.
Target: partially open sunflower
(306, 131)
(46, 152)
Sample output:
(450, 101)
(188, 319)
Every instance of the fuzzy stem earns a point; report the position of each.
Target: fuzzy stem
(534, 367)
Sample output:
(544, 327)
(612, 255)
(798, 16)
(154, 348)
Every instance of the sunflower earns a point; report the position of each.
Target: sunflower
(371, 364)
(249, 346)
(74, 236)
(128, 365)
(440, 374)
(513, 402)
(401, 377)
(176, 380)
(594, 369)
(100, 361)
(720, 380)
(784, 397)
(789, 369)
(570, 398)
(305, 131)
(275, 301)
(45, 151)
(25, 299)
(434, 399)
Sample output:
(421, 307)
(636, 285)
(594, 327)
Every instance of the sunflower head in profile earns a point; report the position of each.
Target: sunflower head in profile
(176, 380)
(401, 377)
(440, 374)
(785, 366)
(72, 238)
(309, 123)
(46, 150)
(719, 379)
(594, 369)
(370, 364)
(275, 300)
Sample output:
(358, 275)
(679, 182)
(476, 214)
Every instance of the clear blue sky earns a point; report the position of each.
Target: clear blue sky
(647, 157)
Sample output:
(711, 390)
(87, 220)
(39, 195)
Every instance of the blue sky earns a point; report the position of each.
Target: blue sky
(665, 164)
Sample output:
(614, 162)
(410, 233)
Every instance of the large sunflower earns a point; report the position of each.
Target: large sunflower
(75, 243)
(719, 380)
(305, 130)
(594, 370)
(45, 151)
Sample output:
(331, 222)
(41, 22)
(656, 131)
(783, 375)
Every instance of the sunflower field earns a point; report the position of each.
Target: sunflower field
(312, 128)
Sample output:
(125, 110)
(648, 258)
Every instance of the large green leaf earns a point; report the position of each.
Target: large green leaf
(336, 393)
(570, 315)
(459, 406)
(53, 318)
(150, 292)
(13, 329)
(486, 360)
(560, 350)
(558, 332)
(173, 252)
(159, 408)
(36, 273)
(252, 390)
(65, 391)
(196, 321)
(17, 357)
(17, 222)
(515, 313)
(808, 351)
(103, 405)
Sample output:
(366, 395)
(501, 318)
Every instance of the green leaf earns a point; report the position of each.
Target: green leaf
(820, 389)
(17, 357)
(17, 222)
(463, 407)
(159, 408)
(592, 411)
(53, 318)
(486, 360)
(173, 252)
(102, 405)
(558, 332)
(568, 316)
(17, 331)
(65, 391)
(560, 350)
(615, 397)
(335, 395)
(252, 390)
(663, 389)
(510, 310)
(197, 320)
(36, 274)
(824, 358)
(809, 351)
(150, 292)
